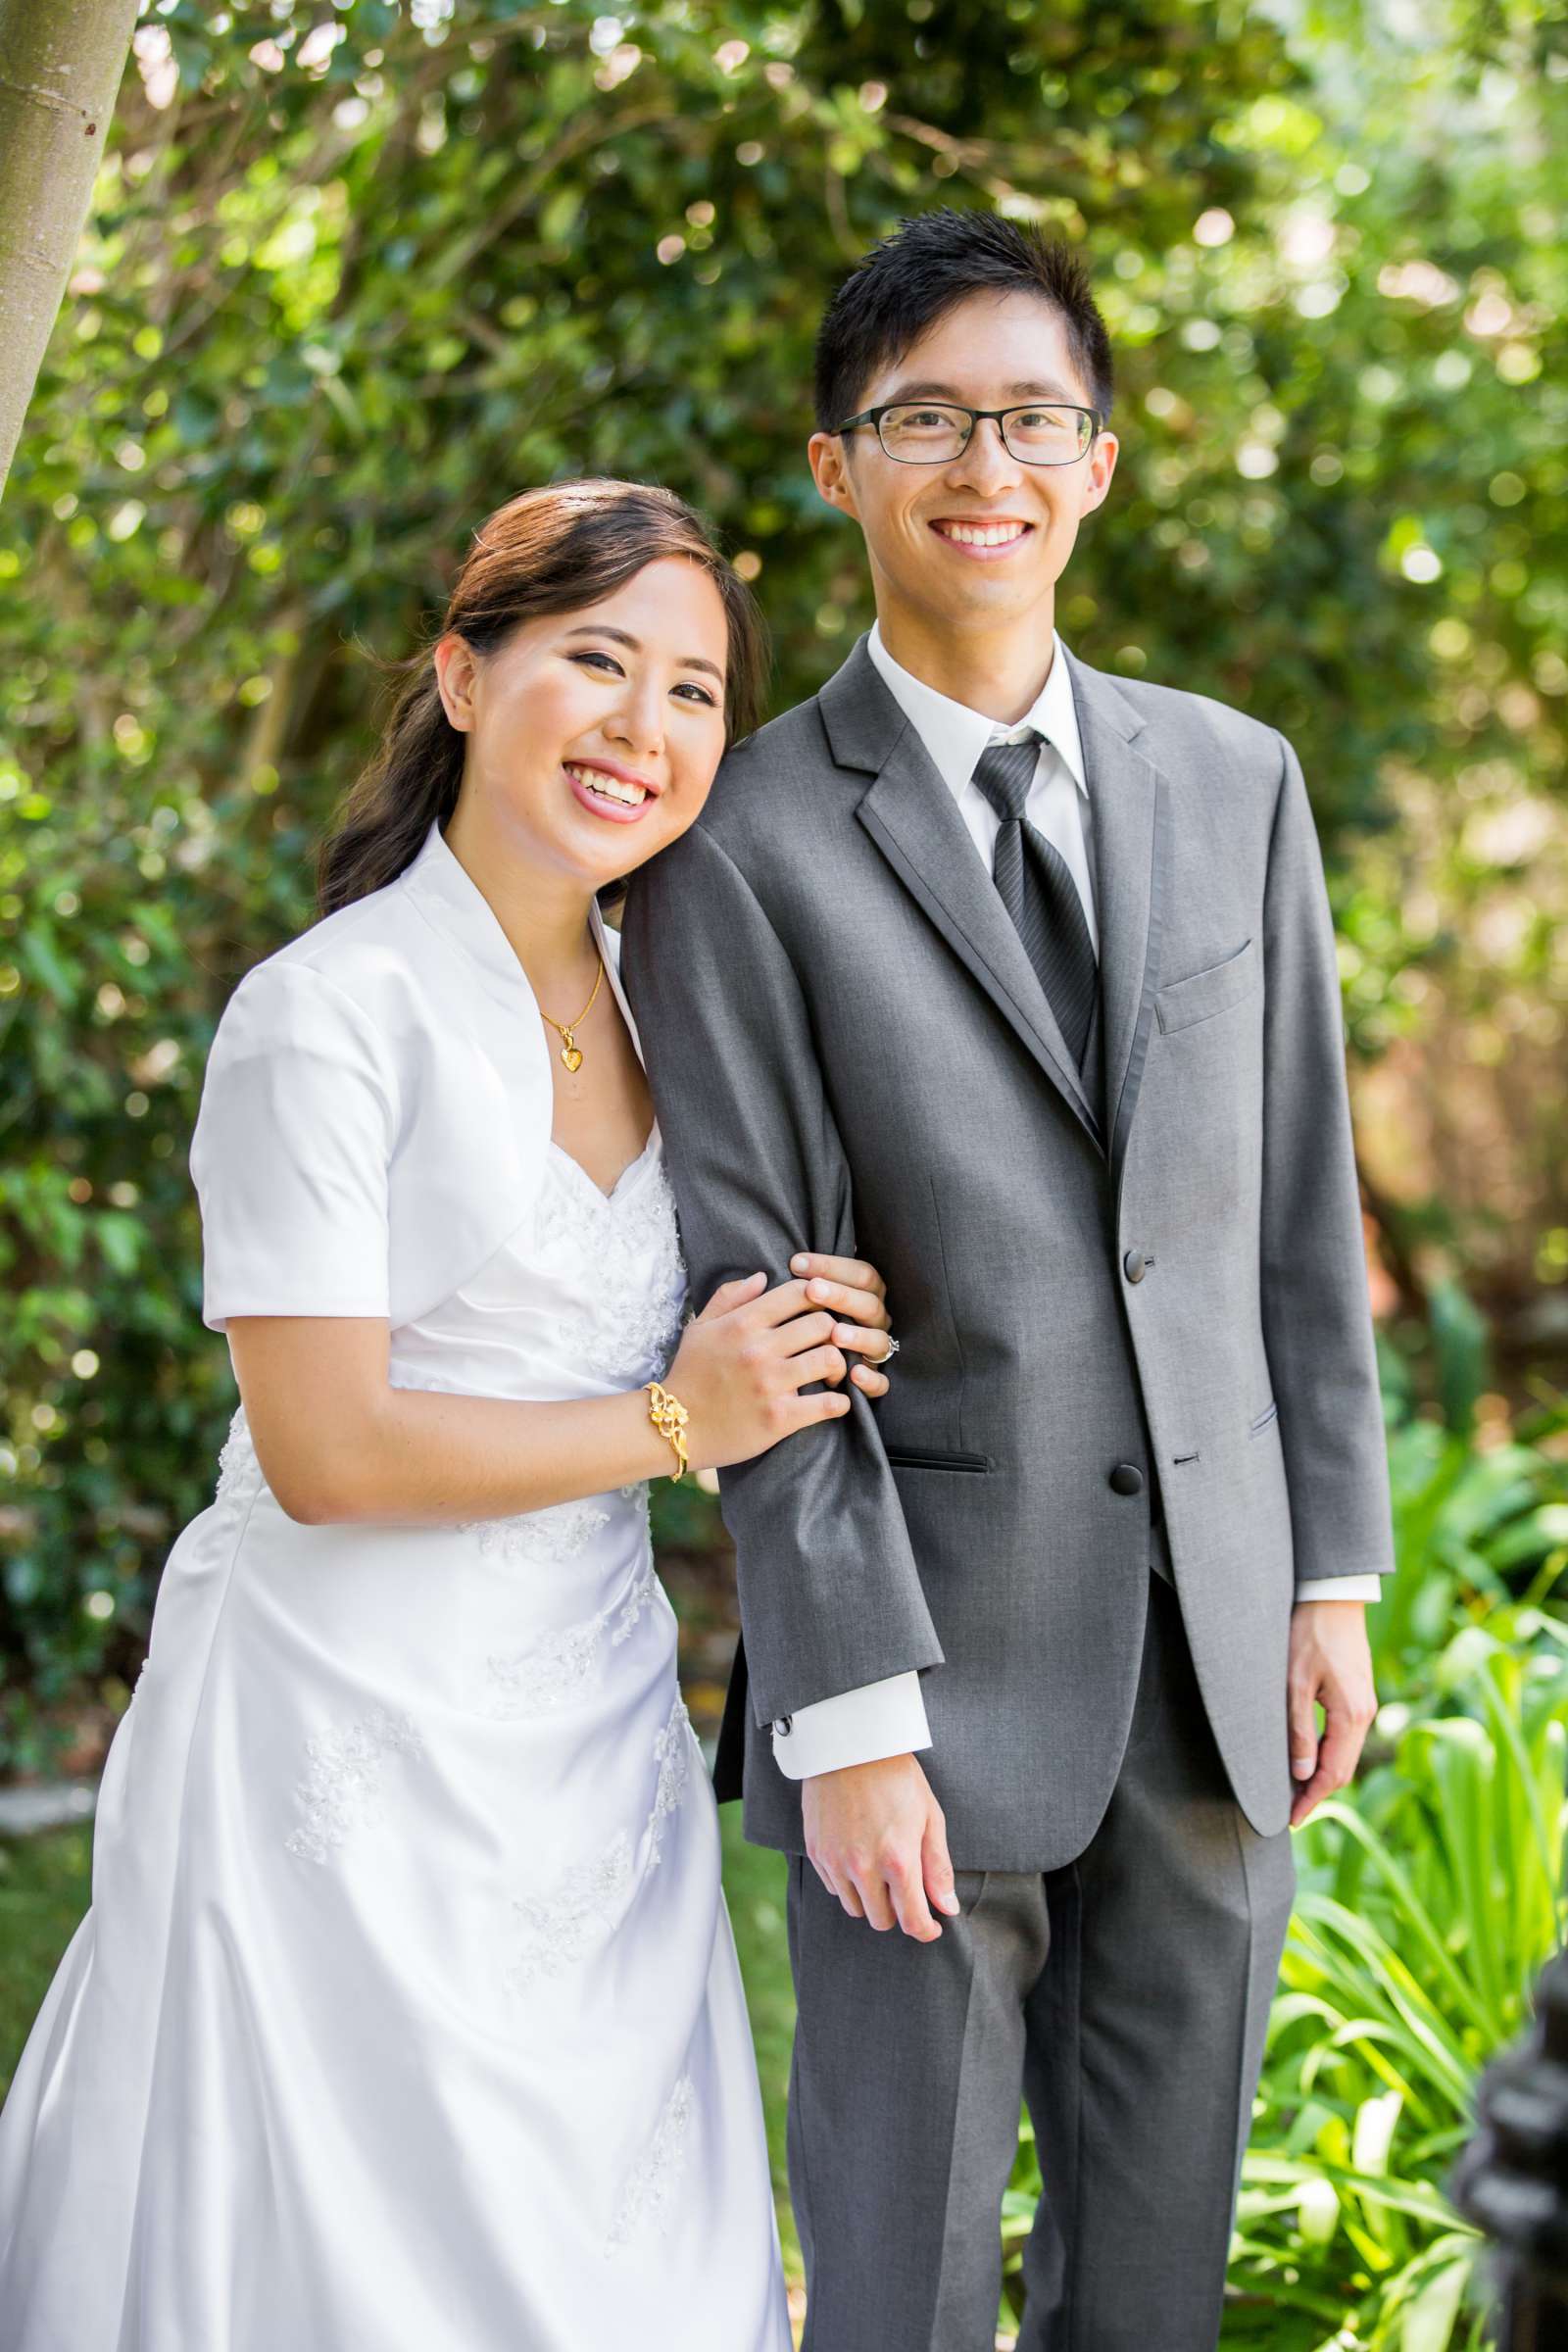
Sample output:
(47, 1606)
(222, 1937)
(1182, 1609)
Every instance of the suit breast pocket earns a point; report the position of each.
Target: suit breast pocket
(1215, 988)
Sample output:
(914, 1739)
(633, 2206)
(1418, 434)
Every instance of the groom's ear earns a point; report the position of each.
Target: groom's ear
(828, 456)
(1101, 465)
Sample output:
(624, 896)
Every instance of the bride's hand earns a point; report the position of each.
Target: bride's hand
(856, 1293)
(742, 1366)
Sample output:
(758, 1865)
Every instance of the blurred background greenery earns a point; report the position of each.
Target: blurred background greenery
(355, 271)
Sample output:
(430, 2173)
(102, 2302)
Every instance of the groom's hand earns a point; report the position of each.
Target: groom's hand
(876, 1838)
(1330, 1662)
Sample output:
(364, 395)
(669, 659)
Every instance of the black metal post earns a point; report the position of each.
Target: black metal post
(1512, 2179)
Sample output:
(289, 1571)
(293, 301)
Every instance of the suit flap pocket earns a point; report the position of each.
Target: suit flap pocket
(921, 1457)
(1182, 1002)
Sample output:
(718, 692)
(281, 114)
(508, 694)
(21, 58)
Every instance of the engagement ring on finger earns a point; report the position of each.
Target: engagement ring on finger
(893, 1350)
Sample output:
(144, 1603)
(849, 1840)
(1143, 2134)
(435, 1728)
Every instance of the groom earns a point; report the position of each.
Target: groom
(1019, 980)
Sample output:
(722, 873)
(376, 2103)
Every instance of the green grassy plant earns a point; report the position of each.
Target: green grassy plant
(1430, 1899)
(1428, 1908)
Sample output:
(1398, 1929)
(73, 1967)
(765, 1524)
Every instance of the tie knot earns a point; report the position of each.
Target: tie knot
(1005, 771)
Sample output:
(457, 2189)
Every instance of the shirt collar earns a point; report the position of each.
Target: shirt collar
(956, 736)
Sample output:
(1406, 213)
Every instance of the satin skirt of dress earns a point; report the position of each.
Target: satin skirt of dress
(407, 2015)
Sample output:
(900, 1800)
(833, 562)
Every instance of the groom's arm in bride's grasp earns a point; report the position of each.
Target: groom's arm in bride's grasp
(831, 1603)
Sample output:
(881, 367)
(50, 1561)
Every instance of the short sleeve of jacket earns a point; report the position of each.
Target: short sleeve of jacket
(291, 1151)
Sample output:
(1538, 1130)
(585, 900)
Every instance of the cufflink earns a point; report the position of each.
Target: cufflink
(783, 1726)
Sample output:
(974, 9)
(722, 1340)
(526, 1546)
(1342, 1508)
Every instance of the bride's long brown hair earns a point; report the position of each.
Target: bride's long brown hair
(552, 550)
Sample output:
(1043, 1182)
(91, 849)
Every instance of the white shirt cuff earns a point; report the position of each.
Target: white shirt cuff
(855, 1727)
(888, 1718)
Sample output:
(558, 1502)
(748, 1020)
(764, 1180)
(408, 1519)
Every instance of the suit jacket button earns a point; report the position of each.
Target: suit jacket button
(1134, 1264)
(784, 1726)
(1127, 1478)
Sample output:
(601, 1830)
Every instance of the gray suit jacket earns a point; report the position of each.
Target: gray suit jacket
(849, 1051)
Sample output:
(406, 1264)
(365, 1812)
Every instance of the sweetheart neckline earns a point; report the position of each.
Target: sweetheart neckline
(631, 1165)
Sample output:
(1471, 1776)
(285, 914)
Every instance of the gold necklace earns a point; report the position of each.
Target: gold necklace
(571, 1051)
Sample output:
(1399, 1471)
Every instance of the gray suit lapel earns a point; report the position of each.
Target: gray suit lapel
(1131, 801)
(911, 816)
(914, 819)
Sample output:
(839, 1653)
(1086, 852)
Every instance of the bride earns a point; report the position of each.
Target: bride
(407, 2015)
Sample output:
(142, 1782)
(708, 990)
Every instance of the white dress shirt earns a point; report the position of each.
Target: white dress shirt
(888, 1718)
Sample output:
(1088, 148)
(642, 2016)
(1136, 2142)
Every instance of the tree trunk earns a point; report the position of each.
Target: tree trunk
(59, 66)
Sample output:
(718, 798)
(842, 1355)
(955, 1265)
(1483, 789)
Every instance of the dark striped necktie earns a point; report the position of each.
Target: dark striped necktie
(1039, 892)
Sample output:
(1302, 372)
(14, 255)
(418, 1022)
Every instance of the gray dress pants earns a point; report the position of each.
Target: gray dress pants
(1125, 1997)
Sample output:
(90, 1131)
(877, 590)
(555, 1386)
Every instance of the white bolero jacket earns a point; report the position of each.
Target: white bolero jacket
(378, 1106)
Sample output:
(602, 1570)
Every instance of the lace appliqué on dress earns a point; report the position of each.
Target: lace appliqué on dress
(560, 1928)
(673, 1753)
(535, 1680)
(633, 1276)
(238, 1469)
(649, 2194)
(342, 1789)
(559, 1532)
(539, 1678)
(644, 1586)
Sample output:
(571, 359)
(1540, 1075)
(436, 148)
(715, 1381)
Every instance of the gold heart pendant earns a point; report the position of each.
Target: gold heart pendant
(571, 1055)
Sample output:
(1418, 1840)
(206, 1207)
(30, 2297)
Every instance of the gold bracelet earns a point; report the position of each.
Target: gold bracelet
(670, 1417)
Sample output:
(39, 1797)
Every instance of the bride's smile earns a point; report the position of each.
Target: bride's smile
(592, 736)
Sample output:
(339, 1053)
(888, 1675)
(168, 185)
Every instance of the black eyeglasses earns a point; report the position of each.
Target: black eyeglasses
(924, 432)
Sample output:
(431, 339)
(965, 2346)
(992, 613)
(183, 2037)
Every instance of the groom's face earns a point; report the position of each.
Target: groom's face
(989, 352)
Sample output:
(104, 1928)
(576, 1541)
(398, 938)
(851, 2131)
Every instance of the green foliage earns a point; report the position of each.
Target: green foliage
(1431, 1893)
(344, 285)
(45, 1885)
(756, 1890)
(1473, 1527)
(1430, 1898)
(1429, 1908)
(353, 275)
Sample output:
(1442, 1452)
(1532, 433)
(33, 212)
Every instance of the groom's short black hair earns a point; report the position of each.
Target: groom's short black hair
(915, 275)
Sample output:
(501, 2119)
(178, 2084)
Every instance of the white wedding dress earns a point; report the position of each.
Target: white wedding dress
(407, 2016)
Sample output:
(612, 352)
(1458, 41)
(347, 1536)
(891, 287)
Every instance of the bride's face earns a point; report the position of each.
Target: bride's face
(594, 735)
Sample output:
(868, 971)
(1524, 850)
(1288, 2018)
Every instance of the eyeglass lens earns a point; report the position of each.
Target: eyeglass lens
(923, 434)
